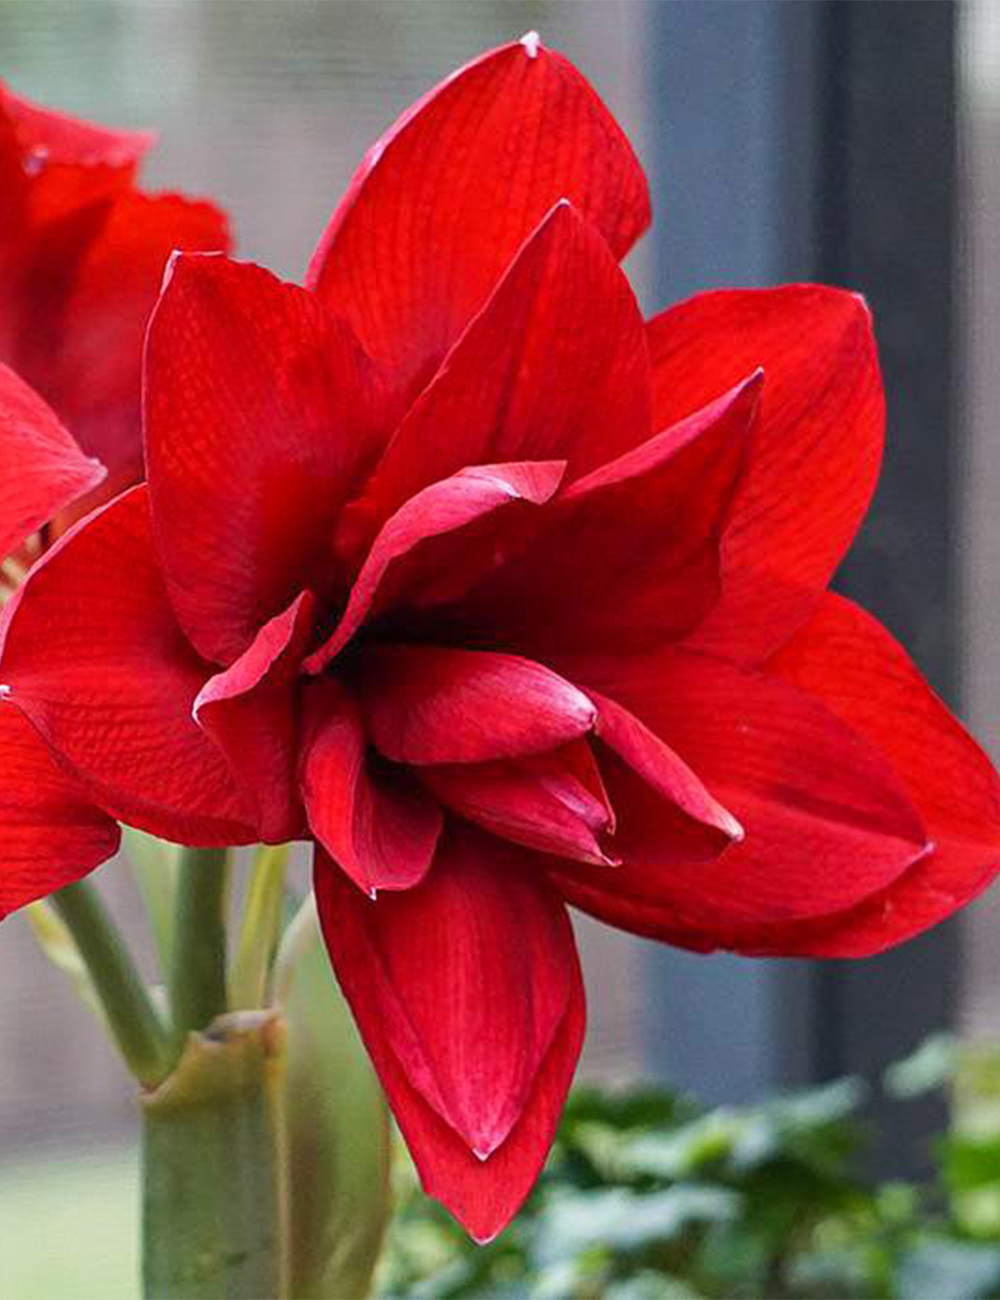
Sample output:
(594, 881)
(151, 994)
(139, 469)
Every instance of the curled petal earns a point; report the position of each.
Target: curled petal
(554, 802)
(816, 452)
(260, 411)
(467, 992)
(429, 704)
(51, 834)
(251, 712)
(827, 821)
(94, 657)
(626, 558)
(693, 818)
(400, 561)
(555, 366)
(845, 658)
(373, 820)
(43, 468)
(414, 249)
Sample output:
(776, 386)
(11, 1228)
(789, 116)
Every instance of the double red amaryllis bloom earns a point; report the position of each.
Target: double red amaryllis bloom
(82, 254)
(508, 599)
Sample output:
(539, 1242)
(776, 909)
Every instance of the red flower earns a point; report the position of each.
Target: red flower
(508, 599)
(82, 253)
(52, 835)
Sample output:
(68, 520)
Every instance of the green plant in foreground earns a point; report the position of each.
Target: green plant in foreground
(649, 1197)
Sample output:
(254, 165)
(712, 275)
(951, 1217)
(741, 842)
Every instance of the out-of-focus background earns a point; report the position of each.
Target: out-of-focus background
(846, 140)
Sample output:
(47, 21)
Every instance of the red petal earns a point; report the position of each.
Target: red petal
(827, 821)
(89, 365)
(847, 660)
(375, 822)
(56, 137)
(38, 275)
(816, 452)
(429, 704)
(627, 558)
(14, 188)
(51, 836)
(251, 712)
(65, 162)
(664, 773)
(468, 994)
(444, 199)
(438, 510)
(95, 659)
(260, 410)
(43, 468)
(546, 802)
(554, 366)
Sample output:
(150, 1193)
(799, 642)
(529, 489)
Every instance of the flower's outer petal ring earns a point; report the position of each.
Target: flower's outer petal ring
(816, 452)
(260, 412)
(93, 656)
(827, 819)
(52, 836)
(444, 199)
(43, 468)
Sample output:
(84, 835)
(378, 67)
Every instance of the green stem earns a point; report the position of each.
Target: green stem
(262, 915)
(131, 1016)
(299, 937)
(197, 977)
(215, 1196)
(153, 862)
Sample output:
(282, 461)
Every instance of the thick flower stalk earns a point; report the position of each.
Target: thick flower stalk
(507, 599)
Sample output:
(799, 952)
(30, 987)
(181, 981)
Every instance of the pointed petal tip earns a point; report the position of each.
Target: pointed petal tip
(170, 268)
(183, 261)
(532, 43)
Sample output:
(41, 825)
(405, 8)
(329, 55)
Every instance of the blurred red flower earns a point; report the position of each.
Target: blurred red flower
(52, 833)
(82, 254)
(508, 599)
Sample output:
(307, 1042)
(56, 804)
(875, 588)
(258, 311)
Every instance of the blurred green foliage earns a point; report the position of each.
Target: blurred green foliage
(649, 1197)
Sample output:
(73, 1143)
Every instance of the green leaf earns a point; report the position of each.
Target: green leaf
(677, 1154)
(930, 1067)
(338, 1132)
(647, 1285)
(958, 1270)
(808, 1126)
(621, 1219)
(971, 1162)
